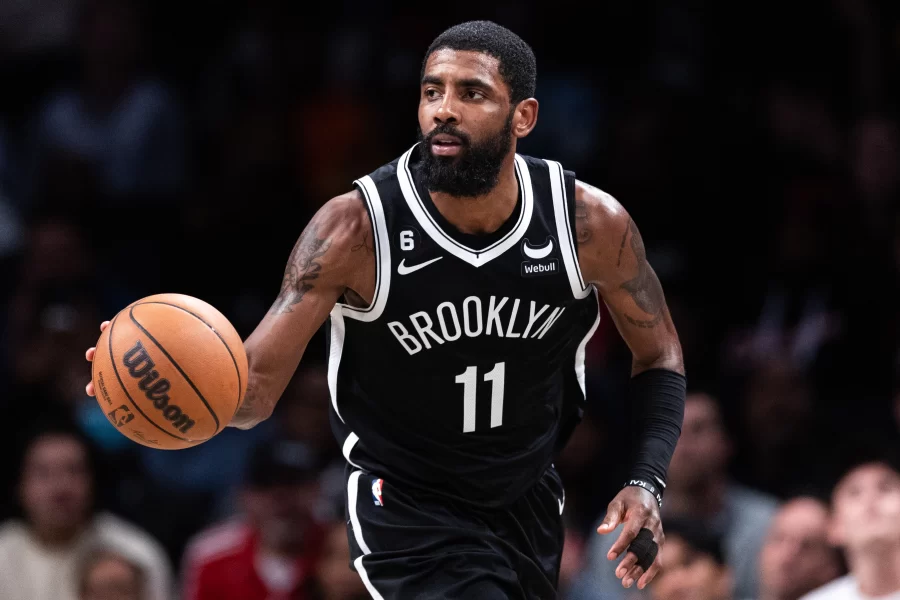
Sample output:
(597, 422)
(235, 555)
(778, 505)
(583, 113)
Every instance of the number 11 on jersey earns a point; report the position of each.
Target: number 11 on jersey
(469, 380)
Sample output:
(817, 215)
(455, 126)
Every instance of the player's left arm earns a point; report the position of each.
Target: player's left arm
(613, 258)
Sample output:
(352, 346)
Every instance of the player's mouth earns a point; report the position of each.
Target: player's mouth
(446, 145)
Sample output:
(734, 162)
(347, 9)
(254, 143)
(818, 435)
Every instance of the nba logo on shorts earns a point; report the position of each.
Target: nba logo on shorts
(376, 491)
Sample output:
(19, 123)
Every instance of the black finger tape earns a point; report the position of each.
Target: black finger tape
(644, 548)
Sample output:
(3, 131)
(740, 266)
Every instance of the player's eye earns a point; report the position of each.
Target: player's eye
(474, 95)
(431, 93)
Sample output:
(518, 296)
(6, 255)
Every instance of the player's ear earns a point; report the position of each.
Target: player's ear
(524, 117)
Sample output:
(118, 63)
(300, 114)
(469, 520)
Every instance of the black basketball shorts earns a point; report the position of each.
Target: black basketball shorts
(413, 545)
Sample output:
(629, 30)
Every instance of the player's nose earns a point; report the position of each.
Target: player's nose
(447, 112)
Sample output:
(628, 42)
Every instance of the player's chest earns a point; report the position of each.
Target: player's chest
(530, 266)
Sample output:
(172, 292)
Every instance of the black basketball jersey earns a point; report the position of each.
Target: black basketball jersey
(468, 366)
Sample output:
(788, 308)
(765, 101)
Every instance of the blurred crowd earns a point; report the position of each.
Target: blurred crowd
(181, 147)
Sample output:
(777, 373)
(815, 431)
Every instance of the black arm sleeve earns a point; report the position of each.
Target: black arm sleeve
(659, 396)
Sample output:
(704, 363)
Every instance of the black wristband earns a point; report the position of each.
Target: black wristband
(658, 394)
(647, 486)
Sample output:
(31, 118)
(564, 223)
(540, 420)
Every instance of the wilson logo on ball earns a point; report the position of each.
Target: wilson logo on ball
(155, 388)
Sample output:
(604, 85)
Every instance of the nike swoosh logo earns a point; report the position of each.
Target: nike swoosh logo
(660, 481)
(402, 269)
(538, 253)
(562, 502)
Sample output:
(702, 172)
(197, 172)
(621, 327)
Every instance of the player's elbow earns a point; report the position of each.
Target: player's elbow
(666, 355)
(259, 399)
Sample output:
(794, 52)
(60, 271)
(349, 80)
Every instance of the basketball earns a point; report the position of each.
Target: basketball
(170, 371)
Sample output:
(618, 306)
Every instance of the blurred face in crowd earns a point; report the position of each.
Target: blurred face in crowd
(56, 486)
(703, 448)
(332, 574)
(304, 408)
(467, 122)
(866, 509)
(797, 556)
(111, 578)
(688, 574)
(778, 404)
(282, 513)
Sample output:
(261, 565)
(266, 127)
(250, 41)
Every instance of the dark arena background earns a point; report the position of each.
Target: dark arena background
(150, 147)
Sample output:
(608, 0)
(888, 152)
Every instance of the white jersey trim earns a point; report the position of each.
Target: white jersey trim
(349, 443)
(476, 258)
(564, 231)
(336, 349)
(582, 347)
(352, 498)
(382, 256)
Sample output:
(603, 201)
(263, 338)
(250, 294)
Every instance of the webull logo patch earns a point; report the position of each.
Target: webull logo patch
(140, 366)
(531, 269)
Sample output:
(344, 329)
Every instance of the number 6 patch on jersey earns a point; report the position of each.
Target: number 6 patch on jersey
(377, 484)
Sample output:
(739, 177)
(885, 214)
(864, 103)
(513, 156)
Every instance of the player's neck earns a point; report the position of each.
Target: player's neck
(479, 215)
(705, 499)
(877, 570)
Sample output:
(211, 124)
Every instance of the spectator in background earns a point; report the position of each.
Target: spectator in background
(781, 428)
(39, 555)
(694, 567)
(797, 556)
(865, 523)
(53, 303)
(108, 575)
(274, 551)
(302, 415)
(698, 488)
(116, 121)
(334, 581)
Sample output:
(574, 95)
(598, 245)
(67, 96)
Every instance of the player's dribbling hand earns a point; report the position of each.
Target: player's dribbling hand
(89, 388)
(634, 508)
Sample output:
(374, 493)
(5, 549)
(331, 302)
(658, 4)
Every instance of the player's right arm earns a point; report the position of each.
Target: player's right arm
(334, 255)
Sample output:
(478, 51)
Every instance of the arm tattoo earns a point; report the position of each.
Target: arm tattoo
(622, 245)
(644, 287)
(582, 231)
(364, 245)
(246, 409)
(302, 269)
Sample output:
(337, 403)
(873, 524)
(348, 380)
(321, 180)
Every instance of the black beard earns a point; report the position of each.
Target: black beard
(475, 172)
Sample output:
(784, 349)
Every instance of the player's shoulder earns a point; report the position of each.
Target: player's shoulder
(343, 220)
(841, 588)
(599, 202)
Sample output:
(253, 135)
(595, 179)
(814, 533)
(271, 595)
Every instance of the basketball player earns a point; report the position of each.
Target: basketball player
(460, 284)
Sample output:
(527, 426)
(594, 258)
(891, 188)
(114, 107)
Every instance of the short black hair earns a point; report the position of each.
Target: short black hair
(518, 67)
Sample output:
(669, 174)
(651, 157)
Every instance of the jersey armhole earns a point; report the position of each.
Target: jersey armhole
(569, 178)
(562, 188)
(375, 210)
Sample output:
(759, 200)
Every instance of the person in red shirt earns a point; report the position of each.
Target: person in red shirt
(272, 553)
